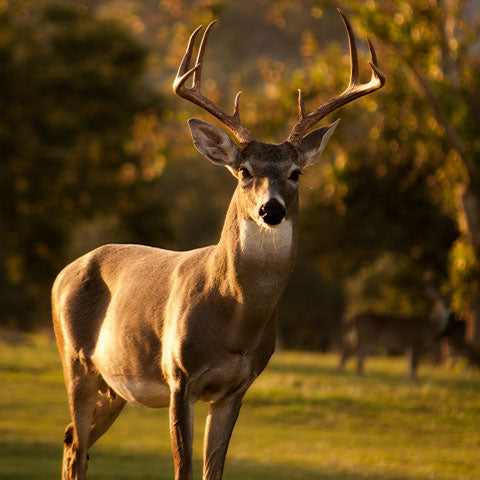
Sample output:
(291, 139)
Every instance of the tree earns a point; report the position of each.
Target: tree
(433, 43)
(70, 87)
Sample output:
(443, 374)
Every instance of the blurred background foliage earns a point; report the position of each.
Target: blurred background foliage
(94, 147)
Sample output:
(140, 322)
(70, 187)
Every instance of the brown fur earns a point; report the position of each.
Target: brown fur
(368, 330)
(164, 328)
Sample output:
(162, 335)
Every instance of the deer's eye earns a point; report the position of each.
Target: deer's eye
(295, 175)
(244, 173)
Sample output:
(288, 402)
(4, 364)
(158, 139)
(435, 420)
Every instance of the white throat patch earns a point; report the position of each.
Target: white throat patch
(263, 242)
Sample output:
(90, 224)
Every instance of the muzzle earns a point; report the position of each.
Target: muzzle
(272, 212)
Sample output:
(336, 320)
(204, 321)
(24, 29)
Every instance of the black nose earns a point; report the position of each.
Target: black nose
(272, 212)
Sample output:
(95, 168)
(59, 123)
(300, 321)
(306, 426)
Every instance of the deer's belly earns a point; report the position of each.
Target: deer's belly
(129, 371)
(139, 391)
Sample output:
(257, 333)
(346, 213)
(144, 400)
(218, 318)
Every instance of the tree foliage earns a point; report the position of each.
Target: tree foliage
(70, 85)
(87, 144)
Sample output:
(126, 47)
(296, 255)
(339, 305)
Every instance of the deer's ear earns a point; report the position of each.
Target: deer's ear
(213, 142)
(314, 143)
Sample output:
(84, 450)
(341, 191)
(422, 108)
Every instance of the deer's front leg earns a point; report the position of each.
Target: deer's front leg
(181, 431)
(221, 419)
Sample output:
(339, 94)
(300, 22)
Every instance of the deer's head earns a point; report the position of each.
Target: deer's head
(268, 174)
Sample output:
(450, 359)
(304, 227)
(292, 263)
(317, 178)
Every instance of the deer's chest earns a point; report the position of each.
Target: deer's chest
(266, 257)
(266, 245)
(234, 373)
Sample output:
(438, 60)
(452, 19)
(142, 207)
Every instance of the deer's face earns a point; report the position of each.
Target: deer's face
(268, 174)
(268, 177)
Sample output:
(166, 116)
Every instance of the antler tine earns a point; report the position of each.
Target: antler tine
(353, 50)
(183, 71)
(194, 95)
(376, 72)
(301, 105)
(372, 52)
(354, 90)
(201, 52)
(236, 108)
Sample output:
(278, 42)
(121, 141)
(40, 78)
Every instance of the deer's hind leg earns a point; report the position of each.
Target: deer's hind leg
(83, 385)
(415, 354)
(362, 354)
(345, 353)
(108, 407)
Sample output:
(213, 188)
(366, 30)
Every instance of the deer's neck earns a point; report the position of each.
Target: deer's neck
(256, 262)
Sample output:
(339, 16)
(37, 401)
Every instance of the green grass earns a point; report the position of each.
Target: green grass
(300, 420)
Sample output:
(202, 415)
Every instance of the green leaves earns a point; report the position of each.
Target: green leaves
(70, 85)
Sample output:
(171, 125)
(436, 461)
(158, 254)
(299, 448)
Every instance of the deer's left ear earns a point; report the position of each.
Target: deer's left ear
(314, 143)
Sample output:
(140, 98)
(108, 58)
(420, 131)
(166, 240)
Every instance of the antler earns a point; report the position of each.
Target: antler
(354, 90)
(194, 94)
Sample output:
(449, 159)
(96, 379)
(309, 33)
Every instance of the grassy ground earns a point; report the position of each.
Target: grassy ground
(301, 420)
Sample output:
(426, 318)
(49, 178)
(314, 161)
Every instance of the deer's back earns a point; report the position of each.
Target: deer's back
(391, 330)
(127, 283)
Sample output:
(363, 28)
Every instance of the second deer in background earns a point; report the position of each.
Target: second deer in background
(364, 332)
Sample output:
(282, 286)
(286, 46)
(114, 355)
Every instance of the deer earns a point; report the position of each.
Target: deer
(161, 328)
(368, 330)
(454, 344)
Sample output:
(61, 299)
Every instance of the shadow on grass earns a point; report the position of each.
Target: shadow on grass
(302, 368)
(301, 402)
(43, 461)
(460, 384)
(392, 378)
(312, 370)
(251, 471)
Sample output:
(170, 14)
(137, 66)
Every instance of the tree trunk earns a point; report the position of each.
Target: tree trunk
(469, 203)
(472, 334)
(470, 210)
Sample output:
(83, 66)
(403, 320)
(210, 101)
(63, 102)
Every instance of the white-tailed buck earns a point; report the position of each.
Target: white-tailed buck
(164, 329)
(366, 331)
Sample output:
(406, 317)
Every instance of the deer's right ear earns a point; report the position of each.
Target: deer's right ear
(315, 142)
(213, 142)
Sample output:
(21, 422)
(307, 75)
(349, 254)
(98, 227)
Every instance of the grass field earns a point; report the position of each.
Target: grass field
(300, 420)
